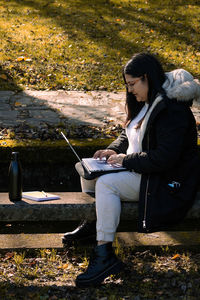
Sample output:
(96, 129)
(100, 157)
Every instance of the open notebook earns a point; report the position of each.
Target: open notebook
(39, 196)
(93, 165)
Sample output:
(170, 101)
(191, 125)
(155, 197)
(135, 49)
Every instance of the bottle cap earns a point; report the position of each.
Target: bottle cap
(14, 155)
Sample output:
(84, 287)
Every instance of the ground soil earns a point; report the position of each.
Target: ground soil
(157, 273)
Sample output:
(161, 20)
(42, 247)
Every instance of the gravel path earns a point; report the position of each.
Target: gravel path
(38, 114)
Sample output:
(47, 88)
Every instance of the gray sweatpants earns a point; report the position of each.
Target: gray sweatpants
(110, 190)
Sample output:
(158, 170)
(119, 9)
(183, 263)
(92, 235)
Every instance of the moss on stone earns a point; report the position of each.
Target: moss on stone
(53, 152)
(88, 142)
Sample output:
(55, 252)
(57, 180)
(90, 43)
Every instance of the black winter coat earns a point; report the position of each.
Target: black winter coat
(169, 154)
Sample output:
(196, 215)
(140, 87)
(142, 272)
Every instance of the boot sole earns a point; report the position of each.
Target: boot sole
(114, 269)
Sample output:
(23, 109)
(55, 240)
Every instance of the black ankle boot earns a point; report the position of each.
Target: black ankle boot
(102, 264)
(85, 232)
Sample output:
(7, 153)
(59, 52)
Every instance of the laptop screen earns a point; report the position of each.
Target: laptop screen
(70, 146)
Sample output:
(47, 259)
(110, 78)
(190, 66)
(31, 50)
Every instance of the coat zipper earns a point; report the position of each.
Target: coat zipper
(146, 192)
(145, 205)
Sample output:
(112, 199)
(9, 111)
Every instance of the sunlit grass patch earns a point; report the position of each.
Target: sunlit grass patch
(82, 44)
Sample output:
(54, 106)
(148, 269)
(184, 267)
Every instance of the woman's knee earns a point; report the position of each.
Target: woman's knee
(105, 183)
(103, 180)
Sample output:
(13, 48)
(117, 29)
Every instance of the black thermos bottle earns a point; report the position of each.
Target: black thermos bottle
(15, 178)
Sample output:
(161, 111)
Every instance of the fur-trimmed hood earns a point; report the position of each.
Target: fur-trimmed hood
(182, 86)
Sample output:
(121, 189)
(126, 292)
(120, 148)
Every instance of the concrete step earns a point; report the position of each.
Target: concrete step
(130, 239)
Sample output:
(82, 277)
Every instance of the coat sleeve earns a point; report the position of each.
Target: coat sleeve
(170, 132)
(120, 145)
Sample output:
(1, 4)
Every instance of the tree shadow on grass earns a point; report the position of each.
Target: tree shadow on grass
(174, 3)
(103, 21)
(90, 18)
(7, 82)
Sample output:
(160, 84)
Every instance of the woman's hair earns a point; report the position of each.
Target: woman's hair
(142, 64)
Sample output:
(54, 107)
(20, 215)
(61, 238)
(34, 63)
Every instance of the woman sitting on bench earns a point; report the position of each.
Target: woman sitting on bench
(158, 147)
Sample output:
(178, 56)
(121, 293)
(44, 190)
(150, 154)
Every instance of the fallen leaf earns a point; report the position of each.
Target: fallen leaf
(65, 266)
(27, 59)
(3, 76)
(9, 255)
(20, 58)
(54, 297)
(176, 256)
(32, 263)
(83, 265)
(17, 104)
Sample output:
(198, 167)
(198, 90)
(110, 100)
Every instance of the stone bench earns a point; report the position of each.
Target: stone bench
(76, 206)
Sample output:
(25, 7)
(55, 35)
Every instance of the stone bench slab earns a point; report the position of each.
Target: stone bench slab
(72, 206)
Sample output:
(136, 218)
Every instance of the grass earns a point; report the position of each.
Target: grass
(49, 274)
(83, 44)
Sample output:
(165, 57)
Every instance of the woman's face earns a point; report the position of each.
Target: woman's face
(137, 87)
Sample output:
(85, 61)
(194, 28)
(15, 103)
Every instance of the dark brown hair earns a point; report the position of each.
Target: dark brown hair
(142, 64)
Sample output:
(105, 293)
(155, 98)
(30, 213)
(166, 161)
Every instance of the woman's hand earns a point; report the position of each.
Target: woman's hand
(116, 159)
(104, 153)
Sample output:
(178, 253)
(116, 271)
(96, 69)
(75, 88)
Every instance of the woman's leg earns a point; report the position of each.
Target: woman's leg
(88, 186)
(110, 189)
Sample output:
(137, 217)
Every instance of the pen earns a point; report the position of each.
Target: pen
(45, 194)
